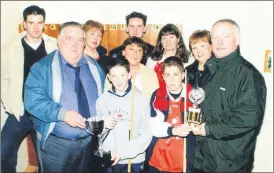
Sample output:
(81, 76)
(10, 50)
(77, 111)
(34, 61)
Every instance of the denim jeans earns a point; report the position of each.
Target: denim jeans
(122, 168)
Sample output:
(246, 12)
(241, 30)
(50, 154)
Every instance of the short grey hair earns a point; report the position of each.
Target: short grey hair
(233, 23)
(69, 24)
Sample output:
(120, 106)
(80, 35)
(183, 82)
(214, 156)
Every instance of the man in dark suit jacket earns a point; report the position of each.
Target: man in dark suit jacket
(136, 26)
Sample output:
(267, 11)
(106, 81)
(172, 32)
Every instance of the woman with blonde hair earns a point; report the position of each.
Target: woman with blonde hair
(94, 34)
(200, 47)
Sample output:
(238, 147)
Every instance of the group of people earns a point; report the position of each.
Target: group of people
(51, 88)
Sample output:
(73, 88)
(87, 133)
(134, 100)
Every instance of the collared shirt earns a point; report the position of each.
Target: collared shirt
(68, 98)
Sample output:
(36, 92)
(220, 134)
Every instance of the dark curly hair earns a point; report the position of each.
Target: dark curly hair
(181, 52)
(134, 40)
(136, 15)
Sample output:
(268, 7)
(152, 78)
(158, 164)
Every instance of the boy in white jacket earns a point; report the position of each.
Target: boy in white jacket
(125, 103)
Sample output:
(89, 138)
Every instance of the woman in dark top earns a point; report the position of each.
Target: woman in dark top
(169, 43)
(200, 47)
(94, 34)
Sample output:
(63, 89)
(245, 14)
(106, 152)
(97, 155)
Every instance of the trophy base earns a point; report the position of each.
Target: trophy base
(104, 158)
(194, 116)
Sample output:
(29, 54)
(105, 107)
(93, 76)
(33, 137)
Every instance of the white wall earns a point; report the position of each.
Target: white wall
(10, 13)
(254, 18)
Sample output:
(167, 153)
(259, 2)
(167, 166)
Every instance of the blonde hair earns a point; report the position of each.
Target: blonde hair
(91, 25)
(199, 35)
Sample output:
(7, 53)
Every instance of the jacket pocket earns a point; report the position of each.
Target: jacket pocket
(226, 150)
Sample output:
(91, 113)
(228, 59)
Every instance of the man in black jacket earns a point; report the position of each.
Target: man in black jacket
(233, 108)
(136, 26)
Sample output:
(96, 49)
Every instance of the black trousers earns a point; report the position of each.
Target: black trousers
(201, 171)
(198, 171)
(152, 169)
(12, 135)
(122, 168)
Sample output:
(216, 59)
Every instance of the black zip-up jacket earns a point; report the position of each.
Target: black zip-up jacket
(233, 110)
(197, 78)
(117, 52)
(103, 61)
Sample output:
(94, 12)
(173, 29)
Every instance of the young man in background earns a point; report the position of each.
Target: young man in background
(136, 26)
(16, 61)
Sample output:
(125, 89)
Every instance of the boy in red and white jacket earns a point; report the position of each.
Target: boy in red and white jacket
(166, 151)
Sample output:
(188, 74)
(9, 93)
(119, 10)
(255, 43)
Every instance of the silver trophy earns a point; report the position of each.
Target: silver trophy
(196, 96)
(96, 125)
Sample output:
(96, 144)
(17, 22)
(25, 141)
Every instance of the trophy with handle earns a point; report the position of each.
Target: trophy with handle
(96, 124)
(196, 96)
